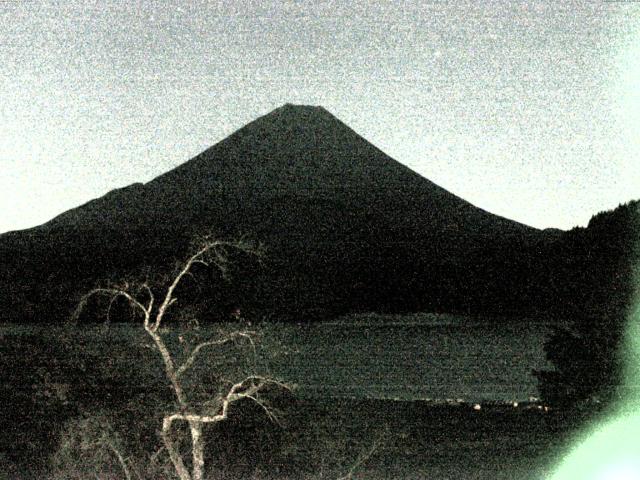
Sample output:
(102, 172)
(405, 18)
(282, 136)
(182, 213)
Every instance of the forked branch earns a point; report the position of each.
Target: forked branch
(114, 293)
(238, 391)
(212, 252)
(194, 353)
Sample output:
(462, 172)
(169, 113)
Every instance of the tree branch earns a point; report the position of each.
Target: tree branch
(174, 455)
(233, 395)
(115, 293)
(169, 366)
(151, 297)
(208, 246)
(266, 409)
(121, 460)
(362, 458)
(192, 357)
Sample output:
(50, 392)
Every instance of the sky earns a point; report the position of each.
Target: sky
(530, 110)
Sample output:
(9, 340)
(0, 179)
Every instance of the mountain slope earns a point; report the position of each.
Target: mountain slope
(293, 152)
(346, 227)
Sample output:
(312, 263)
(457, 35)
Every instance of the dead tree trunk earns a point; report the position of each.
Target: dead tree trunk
(197, 449)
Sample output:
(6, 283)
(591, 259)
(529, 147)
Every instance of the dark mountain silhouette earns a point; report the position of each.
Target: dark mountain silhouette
(346, 228)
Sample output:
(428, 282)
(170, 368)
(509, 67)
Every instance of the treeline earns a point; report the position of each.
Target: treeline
(550, 274)
(594, 284)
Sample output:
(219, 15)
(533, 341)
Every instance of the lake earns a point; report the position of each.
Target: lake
(396, 357)
(424, 358)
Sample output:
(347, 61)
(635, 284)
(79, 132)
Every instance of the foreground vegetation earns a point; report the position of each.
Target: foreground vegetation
(71, 396)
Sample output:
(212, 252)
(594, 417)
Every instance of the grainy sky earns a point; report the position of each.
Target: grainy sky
(530, 110)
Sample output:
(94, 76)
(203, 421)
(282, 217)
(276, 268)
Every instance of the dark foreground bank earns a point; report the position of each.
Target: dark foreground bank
(65, 394)
(326, 439)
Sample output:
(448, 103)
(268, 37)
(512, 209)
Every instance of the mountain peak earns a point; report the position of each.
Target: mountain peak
(301, 107)
(299, 111)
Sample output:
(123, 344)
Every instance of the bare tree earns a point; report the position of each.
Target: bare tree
(141, 298)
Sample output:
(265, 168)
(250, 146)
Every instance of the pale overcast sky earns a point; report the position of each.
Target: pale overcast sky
(530, 110)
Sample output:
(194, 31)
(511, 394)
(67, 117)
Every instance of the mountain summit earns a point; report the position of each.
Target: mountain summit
(347, 227)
